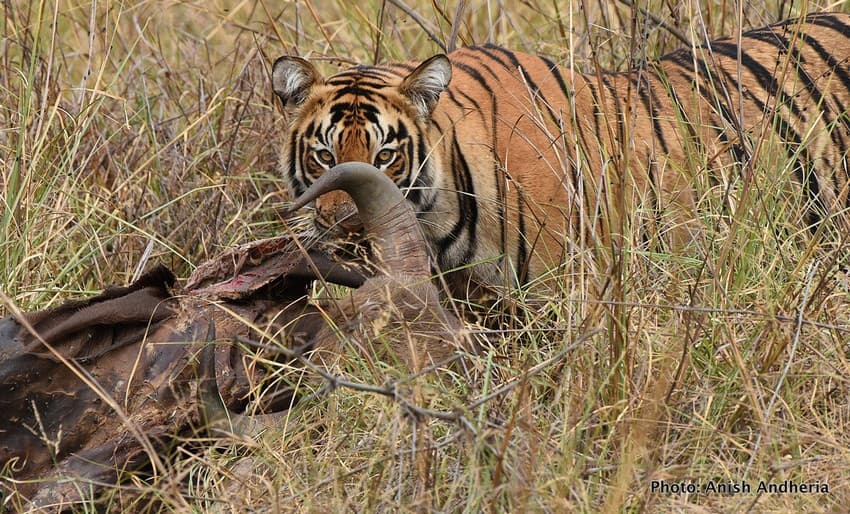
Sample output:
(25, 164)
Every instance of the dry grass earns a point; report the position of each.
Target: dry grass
(140, 132)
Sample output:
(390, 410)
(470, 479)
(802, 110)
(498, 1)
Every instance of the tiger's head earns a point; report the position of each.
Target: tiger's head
(371, 114)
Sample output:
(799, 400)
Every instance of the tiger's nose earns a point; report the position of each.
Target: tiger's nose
(337, 208)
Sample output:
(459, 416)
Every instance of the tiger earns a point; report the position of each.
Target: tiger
(510, 160)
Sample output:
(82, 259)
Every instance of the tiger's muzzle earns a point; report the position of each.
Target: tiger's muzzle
(337, 209)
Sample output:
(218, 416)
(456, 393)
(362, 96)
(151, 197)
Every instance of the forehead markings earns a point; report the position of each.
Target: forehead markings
(325, 136)
(352, 115)
(383, 75)
(355, 138)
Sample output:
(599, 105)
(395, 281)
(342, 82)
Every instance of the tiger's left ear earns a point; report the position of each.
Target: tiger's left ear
(292, 80)
(424, 84)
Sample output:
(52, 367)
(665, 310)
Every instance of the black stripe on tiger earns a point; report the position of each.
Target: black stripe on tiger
(467, 216)
(783, 129)
(651, 105)
(537, 94)
(504, 153)
(712, 95)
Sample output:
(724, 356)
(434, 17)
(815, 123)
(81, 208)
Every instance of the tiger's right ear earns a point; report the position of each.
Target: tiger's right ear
(424, 84)
(292, 79)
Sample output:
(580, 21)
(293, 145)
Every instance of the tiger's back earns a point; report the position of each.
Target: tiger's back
(513, 162)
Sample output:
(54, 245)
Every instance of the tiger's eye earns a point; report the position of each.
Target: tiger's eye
(325, 157)
(384, 157)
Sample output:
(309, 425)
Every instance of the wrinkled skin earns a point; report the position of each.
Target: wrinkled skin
(110, 381)
(400, 300)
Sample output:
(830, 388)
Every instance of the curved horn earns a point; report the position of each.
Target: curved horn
(217, 417)
(385, 214)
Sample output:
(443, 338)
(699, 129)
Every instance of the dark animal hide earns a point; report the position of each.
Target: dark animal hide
(95, 387)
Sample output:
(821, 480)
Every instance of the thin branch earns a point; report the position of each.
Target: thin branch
(706, 310)
(461, 7)
(422, 22)
(658, 21)
(390, 390)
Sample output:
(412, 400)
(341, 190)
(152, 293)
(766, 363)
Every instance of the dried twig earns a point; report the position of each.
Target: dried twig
(391, 389)
(430, 30)
(661, 23)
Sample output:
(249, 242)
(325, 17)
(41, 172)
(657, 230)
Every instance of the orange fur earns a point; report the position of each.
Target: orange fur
(520, 160)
